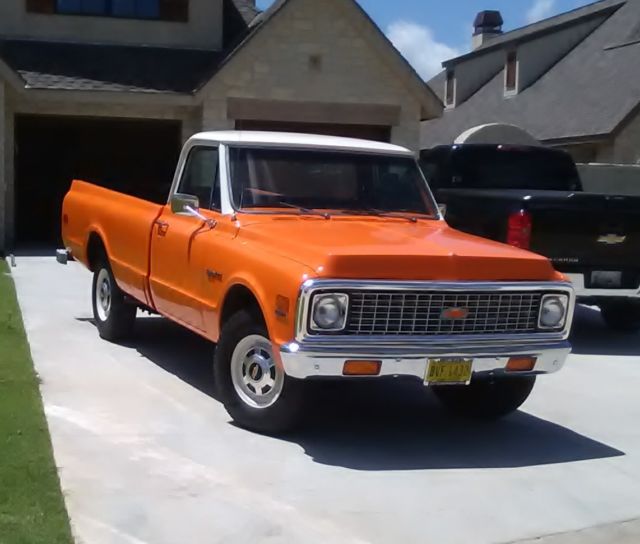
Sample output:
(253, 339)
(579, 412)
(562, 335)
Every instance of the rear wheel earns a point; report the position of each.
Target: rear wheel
(113, 315)
(621, 315)
(249, 381)
(491, 398)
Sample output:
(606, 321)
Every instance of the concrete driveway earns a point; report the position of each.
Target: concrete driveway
(146, 455)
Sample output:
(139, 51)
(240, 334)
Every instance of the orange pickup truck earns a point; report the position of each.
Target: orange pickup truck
(306, 257)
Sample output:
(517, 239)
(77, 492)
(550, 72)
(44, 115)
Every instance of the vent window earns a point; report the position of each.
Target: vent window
(511, 73)
(450, 89)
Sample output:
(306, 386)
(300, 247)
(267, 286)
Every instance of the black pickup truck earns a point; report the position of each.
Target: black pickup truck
(532, 197)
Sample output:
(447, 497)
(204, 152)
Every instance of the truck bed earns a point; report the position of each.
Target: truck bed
(129, 221)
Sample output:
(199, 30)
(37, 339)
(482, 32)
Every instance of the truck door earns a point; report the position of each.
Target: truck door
(176, 271)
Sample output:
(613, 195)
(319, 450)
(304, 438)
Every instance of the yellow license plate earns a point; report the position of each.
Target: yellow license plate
(449, 371)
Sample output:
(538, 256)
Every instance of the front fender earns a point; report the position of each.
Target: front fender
(272, 282)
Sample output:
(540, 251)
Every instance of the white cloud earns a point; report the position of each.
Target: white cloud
(419, 46)
(541, 9)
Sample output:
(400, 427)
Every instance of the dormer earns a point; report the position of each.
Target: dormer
(519, 57)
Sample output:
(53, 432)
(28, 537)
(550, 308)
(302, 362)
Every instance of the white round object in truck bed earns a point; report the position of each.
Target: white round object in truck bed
(496, 133)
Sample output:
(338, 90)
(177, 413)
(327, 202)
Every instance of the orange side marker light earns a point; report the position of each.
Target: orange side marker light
(521, 364)
(362, 368)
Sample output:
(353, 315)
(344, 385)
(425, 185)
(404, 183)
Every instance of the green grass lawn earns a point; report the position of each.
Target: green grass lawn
(32, 510)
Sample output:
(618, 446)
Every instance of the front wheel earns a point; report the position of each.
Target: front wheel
(491, 398)
(251, 384)
(113, 315)
(621, 315)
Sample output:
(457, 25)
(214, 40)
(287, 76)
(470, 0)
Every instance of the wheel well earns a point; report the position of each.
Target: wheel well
(95, 250)
(239, 298)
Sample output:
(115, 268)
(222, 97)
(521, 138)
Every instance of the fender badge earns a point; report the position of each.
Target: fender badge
(612, 239)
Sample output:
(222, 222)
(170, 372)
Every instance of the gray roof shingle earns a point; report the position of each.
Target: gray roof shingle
(552, 24)
(587, 93)
(90, 67)
(87, 67)
(247, 8)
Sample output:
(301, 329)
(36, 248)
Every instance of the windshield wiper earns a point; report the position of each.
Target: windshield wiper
(381, 213)
(306, 211)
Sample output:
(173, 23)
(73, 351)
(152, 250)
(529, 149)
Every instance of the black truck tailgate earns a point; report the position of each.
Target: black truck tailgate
(587, 230)
(575, 230)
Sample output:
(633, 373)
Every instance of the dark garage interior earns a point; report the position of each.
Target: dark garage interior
(137, 157)
(366, 132)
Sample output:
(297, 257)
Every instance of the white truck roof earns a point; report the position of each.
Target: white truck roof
(306, 141)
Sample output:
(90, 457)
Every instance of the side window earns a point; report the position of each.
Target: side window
(201, 177)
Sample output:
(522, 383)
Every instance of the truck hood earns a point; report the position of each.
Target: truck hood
(391, 249)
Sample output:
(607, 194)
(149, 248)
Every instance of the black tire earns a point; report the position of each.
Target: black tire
(116, 322)
(623, 316)
(486, 398)
(287, 409)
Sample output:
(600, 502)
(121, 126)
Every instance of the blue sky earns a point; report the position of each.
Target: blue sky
(430, 31)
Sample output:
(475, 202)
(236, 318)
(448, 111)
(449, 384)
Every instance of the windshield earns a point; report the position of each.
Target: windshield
(502, 167)
(301, 181)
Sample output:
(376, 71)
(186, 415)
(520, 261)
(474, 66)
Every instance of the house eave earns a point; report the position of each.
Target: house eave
(110, 97)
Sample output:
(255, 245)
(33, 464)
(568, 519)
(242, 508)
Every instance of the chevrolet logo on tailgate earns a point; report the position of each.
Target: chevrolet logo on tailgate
(454, 314)
(612, 239)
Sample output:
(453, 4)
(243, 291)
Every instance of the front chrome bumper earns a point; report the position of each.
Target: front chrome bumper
(307, 361)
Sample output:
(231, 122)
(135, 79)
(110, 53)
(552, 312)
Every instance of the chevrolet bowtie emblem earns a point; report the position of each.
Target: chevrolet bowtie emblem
(454, 314)
(612, 239)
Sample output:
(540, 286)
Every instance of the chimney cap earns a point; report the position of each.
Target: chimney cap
(488, 21)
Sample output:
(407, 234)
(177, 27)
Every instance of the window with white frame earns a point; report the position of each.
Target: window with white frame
(511, 73)
(450, 89)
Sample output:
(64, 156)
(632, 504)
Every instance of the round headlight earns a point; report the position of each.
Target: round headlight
(553, 312)
(329, 312)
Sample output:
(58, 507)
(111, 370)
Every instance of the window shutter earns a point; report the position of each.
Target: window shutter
(41, 6)
(174, 10)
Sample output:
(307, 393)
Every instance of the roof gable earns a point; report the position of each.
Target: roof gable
(431, 104)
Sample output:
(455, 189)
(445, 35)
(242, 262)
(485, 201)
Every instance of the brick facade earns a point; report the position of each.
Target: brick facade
(318, 52)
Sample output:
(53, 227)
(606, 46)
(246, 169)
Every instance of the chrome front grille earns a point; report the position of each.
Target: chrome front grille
(413, 313)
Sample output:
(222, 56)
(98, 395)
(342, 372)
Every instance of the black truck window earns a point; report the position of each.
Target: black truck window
(500, 167)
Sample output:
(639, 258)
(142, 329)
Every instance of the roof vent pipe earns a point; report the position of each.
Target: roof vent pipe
(488, 25)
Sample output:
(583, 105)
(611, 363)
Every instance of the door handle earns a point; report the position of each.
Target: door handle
(163, 227)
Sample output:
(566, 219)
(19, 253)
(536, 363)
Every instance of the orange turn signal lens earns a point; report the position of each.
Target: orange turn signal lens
(282, 306)
(521, 364)
(362, 368)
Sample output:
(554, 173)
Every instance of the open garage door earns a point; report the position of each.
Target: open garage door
(134, 156)
(366, 132)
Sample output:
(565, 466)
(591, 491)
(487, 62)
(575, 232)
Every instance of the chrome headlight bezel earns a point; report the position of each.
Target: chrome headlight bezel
(560, 299)
(341, 300)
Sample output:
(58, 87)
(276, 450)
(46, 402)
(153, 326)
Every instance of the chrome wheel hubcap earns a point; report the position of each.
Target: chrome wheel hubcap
(256, 378)
(103, 295)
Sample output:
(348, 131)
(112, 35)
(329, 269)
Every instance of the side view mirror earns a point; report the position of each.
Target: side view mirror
(182, 204)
